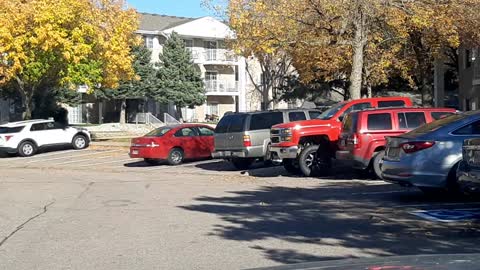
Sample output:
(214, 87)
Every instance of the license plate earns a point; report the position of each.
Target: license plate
(393, 152)
(134, 152)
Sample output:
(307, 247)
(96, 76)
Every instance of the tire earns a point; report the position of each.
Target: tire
(80, 142)
(291, 166)
(267, 159)
(151, 161)
(175, 157)
(242, 163)
(27, 149)
(376, 164)
(315, 160)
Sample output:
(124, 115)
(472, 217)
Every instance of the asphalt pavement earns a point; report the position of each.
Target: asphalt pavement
(99, 209)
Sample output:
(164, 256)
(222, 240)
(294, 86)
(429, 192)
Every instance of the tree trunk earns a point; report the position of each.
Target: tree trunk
(426, 91)
(357, 61)
(123, 109)
(265, 98)
(28, 107)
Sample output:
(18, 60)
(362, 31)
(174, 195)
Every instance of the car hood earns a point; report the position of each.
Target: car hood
(418, 262)
(305, 123)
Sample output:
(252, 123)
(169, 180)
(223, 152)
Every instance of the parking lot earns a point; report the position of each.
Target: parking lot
(59, 208)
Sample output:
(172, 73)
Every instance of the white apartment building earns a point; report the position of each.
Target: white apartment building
(223, 72)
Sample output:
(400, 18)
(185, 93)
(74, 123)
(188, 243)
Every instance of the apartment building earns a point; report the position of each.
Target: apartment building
(228, 87)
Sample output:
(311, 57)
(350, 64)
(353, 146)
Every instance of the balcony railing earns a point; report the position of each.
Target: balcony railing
(213, 55)
(221, 87)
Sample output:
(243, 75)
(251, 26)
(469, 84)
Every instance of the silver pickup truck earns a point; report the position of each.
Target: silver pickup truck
(243, 138)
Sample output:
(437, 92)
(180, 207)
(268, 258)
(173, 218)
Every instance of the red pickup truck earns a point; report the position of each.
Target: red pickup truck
(309, 146)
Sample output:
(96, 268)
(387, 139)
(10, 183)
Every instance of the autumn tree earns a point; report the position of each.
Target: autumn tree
(179, 81)
(46, 44)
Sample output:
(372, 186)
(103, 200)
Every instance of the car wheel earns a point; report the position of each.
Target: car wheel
(80, 142)
(242, 163)
(27, 149)
(291, 166)
(175, 157)
(377, 164)
(152, 161)
(315, 160)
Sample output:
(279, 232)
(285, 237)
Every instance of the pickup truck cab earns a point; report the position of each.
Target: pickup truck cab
(309, 146)
(363, 138)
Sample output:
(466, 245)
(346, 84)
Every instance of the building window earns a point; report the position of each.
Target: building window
(149, 42)
(212, 108)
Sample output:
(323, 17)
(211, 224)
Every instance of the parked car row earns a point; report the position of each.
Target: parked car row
(434, 149)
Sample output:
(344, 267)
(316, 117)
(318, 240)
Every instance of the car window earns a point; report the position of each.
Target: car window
(350, 122)
(185, 132)
(159, 132)
(265, 120)
(432, 126)
(7, 130)
(204, 131)
(314, 114)
(379, 121)
(356, 107)
(440, 115)
(38, 127)
(328, 114)
(296, 116)
(470, 129)
(411, 120)
(231, 123)
(391, 103)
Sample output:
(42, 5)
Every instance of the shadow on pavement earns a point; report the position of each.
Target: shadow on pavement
(43, 150)
(355, 218)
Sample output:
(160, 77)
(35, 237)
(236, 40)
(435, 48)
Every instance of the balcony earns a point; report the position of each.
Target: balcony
(214, 57)
(221, 88)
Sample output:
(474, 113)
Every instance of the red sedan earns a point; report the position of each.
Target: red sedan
(174, 144)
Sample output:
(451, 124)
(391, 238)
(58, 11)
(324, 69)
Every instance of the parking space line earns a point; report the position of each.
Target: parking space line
(83, 160)
(107, 162)
(75, 156)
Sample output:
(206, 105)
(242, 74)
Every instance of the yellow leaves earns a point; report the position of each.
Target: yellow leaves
(67, 34)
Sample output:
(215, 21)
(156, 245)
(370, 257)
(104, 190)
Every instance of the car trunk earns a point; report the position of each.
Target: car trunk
(144, 141)
(230, 131)
(394, 151)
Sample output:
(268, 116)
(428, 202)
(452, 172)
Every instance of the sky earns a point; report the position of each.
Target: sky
(181, 8)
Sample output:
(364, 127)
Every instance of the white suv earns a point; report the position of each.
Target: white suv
(26, 137)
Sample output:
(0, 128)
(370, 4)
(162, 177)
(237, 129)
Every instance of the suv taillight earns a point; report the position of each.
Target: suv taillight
(412, 147)
(246, 141)
(7, 138)
(354, 140)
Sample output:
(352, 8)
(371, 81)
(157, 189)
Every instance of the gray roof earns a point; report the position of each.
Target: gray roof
(156, 22)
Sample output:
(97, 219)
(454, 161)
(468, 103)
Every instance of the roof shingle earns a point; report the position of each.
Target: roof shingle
(157, 22)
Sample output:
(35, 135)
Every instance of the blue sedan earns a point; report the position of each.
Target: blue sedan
(428, 156)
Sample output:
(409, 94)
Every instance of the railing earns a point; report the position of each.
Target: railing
(217, 86)
(148, 119)
(170, 120)
(213, 55)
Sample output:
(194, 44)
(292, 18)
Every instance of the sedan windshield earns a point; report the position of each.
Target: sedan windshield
(159, 132)
(328, 114)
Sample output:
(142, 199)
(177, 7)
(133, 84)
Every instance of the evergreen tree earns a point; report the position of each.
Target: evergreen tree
(179, 80)
(145, 81)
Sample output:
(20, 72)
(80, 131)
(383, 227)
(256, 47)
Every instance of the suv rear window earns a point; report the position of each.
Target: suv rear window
(7, 130)
(265, 120)
(296, 116)
(350, 122)
(231, 123)
(411, 120)
(391, 103)
(379, 121)
(440, 115)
